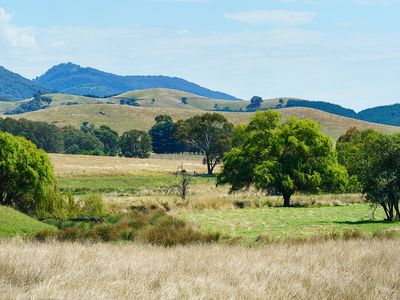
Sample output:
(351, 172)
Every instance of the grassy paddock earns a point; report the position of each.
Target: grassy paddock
(326, 270)
(297, 222)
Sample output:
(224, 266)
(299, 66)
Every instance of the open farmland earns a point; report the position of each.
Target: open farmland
(124, 118)
(124, 182)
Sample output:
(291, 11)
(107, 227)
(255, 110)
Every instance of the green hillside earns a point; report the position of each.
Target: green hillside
(13, 223)
(15, 87)
(123, 118)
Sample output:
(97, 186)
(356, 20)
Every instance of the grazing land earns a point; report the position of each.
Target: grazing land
(355, 269)
(124, 118)
(125, 182)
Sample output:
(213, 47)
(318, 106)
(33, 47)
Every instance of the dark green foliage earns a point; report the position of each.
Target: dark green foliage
(210, 134)
(374, 159)
(282, 159)
(38, 102)
(109, 138)
(135, 143)
(15, 87)
(388, 114)
(73, 79)
(128, 101)
(255, 103)
(324, 106)
(77, 141)
(26, 176)
(184, 100)
(163, 136)
(45, 136)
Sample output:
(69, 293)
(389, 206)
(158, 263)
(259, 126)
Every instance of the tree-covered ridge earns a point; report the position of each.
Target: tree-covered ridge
(388, 114)
(73, 79)
(324, 106)
(15, 87)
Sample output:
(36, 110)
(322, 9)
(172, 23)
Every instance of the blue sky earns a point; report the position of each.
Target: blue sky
(343, 51)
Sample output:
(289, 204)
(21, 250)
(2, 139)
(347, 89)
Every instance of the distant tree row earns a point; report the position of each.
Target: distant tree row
(88, 139)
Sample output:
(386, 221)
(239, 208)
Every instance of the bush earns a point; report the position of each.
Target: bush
(91, 206)
(155, 228)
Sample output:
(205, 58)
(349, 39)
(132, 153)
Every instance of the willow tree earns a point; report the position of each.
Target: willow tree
(26, 176)
(282, 159)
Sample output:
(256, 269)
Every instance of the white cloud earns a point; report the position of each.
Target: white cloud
(282, 18)
(14, 36)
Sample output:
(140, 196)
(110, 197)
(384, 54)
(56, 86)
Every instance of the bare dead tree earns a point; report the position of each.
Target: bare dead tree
(181, 188)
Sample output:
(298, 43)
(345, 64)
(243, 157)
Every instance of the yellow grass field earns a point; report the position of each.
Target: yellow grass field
(123, 118)
(323, 270)
(84, 165)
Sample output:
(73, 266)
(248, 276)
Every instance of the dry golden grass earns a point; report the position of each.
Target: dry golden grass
(357, 269)
(85, 165)
(123, 118)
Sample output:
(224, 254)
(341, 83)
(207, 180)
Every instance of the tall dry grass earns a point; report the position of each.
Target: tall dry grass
(85, 165)
(333, 269)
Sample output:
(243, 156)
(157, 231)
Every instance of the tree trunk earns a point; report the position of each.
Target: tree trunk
(209, 167)
(286, 200)
(396, 207)
(383, 204)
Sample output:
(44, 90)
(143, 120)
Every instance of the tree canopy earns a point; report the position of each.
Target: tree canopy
(163, 136)
(135, 143)
(210, 134)
(26, 176)
(282, 159)
(374, 160)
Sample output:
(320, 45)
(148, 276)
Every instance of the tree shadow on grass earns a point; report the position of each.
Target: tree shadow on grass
(364, 222)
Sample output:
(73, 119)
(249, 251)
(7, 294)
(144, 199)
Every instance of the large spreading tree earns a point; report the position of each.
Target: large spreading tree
(282, 159)
(26, 176)
(210, 134)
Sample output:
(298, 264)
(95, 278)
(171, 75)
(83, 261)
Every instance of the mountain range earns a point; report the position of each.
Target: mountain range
(69, 78)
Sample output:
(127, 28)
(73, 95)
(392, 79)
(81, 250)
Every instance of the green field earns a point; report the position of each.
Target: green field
(125, 183)
(280, 223)
(14, 223)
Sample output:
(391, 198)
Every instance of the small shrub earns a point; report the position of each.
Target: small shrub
(91, 206)
(351, 234)
(46, 234)
(385, 235)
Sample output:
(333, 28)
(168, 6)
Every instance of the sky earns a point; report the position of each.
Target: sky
(343, 51)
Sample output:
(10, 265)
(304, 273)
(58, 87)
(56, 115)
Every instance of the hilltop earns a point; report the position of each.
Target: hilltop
(69, 78)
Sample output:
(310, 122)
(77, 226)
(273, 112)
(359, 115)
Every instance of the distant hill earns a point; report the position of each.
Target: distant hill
(123, 118)
(70, 78)
(388, 114)
(15, 87)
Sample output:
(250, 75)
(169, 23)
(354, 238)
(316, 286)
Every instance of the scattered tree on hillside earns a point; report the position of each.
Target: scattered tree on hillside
(26, 176)
(210, 134)
(135, 143)
(184, 100)
(255, 103)
(282, 159)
